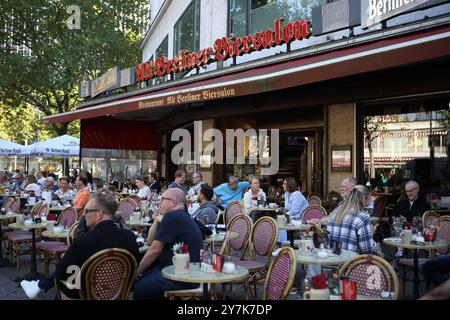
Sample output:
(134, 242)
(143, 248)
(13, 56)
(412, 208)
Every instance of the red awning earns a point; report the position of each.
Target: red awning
(110, 133)
(381, 54)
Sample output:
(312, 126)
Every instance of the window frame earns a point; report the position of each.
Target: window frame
(196, 4)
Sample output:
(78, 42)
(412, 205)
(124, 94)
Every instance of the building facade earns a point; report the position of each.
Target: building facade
(354, 88)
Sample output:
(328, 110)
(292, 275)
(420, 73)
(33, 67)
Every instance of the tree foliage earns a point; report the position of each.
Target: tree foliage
(62, 57)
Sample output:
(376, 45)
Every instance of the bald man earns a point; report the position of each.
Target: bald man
(413, 204)
(171, 225)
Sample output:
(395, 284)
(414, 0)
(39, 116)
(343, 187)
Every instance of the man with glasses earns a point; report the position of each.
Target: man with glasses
(413, 204)
(171, 225)
(103, 234)
(197, 180)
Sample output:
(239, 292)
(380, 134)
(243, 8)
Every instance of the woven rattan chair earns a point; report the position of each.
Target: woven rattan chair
(232, 209)
(372, 275)
(313, 212)
(126, 207)
(430, 216)
(107, 275)
(314, 200)
(262, 242)
(281, 274)
(54, 249)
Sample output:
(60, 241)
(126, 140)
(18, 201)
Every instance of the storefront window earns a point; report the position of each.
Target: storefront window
(162, 51)
(124, 164)
(187, 30)
(250, 16)
(408, 141)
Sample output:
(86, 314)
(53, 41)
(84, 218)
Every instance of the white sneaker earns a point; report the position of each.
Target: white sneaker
(31, 288)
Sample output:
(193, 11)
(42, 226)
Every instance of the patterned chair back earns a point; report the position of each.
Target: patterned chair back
(8, 202)
(15, 206)
(108, 275)
(67, 217)
(35, 211)
(372, 275)
(313, 212)
(430, 217)
(233, 208)
(264, 236)
(71, 234)
(135, 199)
(43, 210)
(443, 233)
(242, 225)
(314, 201)
(126, 207)
(281, 274)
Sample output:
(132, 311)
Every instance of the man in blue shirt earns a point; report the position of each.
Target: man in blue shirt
(173, 225)
(180, 178)
(230, 191)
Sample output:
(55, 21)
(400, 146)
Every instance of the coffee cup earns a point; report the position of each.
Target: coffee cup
(228, 267)
(317, 294)
(406, 236)
(181, 262)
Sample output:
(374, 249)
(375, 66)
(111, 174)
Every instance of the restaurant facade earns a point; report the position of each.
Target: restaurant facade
(354, 87)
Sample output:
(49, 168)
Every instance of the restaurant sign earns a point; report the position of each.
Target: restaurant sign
(375, 11)
(109, 80)
(224, 48)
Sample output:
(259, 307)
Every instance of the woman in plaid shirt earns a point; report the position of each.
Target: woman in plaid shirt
(350, 225)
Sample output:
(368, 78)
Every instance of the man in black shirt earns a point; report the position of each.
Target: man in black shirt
(103, 234)
(413, 205)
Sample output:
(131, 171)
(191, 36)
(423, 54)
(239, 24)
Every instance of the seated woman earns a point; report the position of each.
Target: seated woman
(350, 225)
(32, 186)
(64, 193)
(254, 191)
(144, 191)
(294, 203)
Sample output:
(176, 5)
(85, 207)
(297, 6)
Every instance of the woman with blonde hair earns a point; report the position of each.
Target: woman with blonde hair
(350, 225)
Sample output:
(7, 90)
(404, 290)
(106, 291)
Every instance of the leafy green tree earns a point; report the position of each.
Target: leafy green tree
(43, 57)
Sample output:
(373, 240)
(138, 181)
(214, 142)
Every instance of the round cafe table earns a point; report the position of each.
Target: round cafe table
(331, 260)
(291, 227)
(397, 242)
(33, 275)
(196, 275)
(4, 261)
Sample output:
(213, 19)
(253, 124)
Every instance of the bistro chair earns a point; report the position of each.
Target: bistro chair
(429, 217)
(15, 206)
(54, 249)
(107, 275)
(281, 275)
(19, 238)
(72, 233)
(8, 202)
(135, 199)
(379, 207)
(232, 209)
(314, 201)
(126, 207)
(313, 212)
(262, 242)
(372, 275)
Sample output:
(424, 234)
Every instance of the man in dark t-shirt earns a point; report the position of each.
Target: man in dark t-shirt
(173, 225)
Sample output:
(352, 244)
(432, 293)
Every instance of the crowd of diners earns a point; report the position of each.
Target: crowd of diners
(349, 223)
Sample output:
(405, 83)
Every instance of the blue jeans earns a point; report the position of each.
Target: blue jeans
(437, 270)
(151, 285)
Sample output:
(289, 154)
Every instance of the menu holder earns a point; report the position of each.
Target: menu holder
(217, 262)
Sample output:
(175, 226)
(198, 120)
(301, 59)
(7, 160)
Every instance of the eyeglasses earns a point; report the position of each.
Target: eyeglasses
(164, 198)
(86, 211)
(412, 190)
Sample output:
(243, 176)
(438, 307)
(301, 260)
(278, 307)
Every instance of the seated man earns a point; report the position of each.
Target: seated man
(180, 178)
(173, 225)
(82, 196)
(50, 184)
(112, 181)
(207, 212)
(413, 205)
(231, 191)
(104, 234)
(154, 184)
